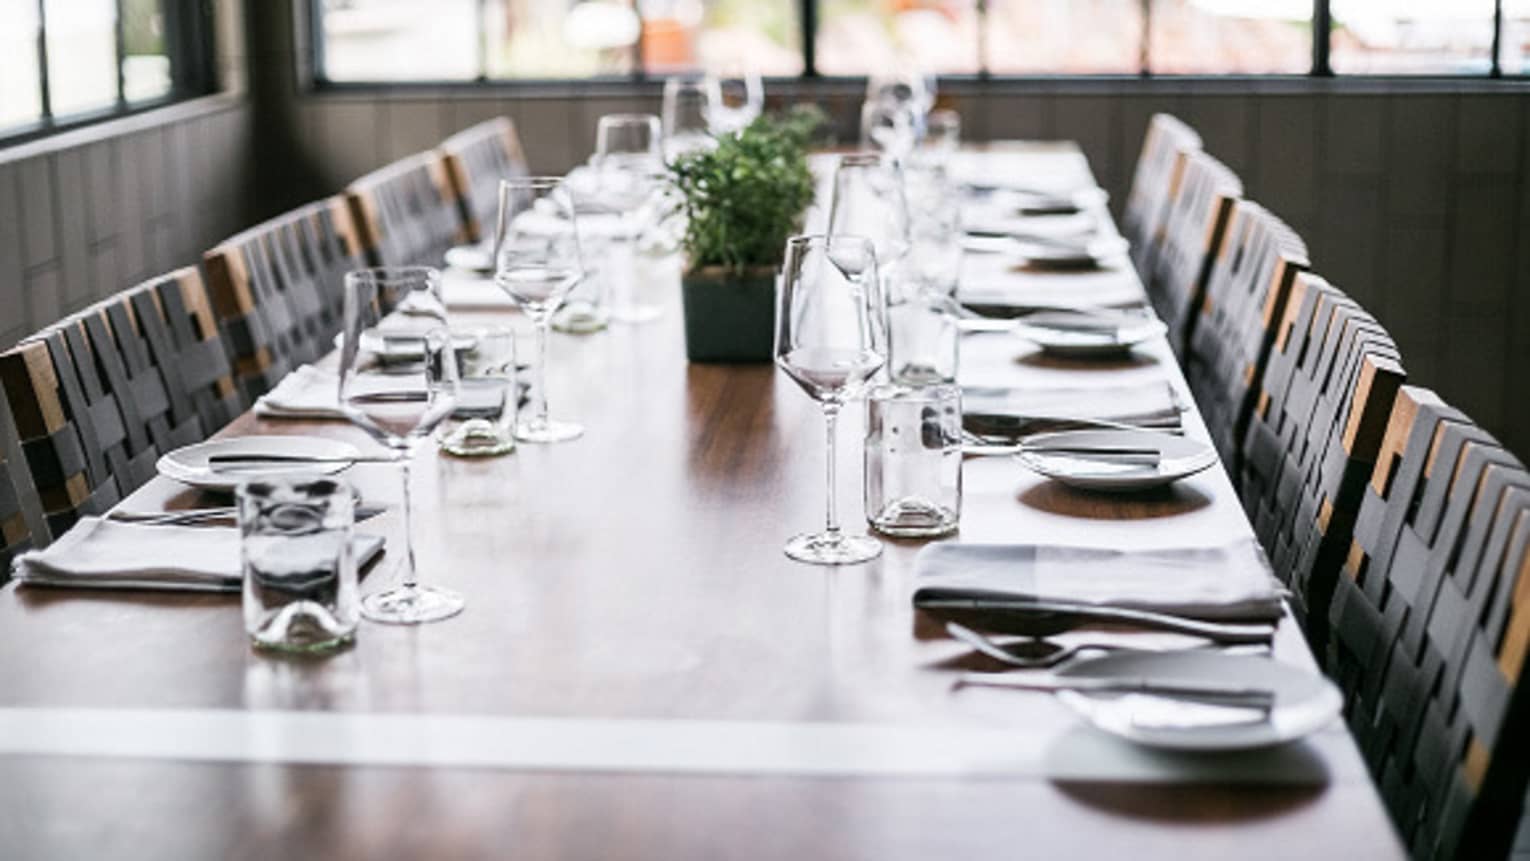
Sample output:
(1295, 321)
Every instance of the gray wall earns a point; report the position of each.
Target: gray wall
(88, 212)
(81, 222)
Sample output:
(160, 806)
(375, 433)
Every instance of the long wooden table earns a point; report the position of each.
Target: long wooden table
(638, 574)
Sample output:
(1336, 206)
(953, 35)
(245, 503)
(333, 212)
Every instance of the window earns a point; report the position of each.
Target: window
(462, 40)
(67, 61)
(1412, 36)
(1514, 47)
(1230, 36)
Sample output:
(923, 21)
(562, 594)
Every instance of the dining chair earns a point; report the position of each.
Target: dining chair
(476, 159)
(15, 536)
(1245, 296)
(1194, 229)
(1320, 416)
(1429, 448)
(1160, 166)
(98, 397)
(406, 213)
(277, 290)
(1432, 628)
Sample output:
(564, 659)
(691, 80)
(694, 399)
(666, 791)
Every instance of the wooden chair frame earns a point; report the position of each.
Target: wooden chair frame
(476, 159)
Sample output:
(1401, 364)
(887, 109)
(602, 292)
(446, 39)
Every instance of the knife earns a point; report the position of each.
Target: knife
(1217, 693)
(1033, 618)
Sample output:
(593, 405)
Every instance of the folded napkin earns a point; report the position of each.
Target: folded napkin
(997, 410)
(306, 393)
(104, 554)
(1229, 583)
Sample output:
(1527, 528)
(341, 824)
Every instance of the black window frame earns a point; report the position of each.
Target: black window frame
(189, 44)
(807, 21)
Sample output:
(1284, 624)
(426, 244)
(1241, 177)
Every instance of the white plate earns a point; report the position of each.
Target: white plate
(189, 464)
(1178, 457)
(1088, 334)
(473, 258)
(1305, 701)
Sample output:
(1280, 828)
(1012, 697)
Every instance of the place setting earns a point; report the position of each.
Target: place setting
(1168, 648)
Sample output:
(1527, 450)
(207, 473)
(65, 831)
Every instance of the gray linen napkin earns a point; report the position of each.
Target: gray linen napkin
(997, 410)
(1228, 583)
(104, 554)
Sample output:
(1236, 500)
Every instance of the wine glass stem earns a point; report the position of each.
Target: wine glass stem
(831, 514)
(411, 575)
(539, 405)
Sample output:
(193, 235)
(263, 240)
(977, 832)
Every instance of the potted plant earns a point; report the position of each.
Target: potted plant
(742, 200)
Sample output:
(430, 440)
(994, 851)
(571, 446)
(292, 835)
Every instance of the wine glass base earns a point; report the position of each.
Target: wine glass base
(548, 431)
(581, 319)
(826, 548)
(477, 438)
(411, 605)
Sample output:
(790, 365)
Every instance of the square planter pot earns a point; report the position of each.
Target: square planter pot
(728, 317)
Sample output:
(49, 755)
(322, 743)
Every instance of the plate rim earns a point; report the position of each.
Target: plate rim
(1327, 695)
(213, 481)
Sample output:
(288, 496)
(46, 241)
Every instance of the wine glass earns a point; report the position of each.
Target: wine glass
(831, 337)
(888, 127)
(418, 392)
(628, 162)
(733, 102)
(537, 262)
(685, 113)
(869, 201)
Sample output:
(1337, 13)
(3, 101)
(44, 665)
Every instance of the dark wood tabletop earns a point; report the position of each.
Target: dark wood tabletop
(637, 573)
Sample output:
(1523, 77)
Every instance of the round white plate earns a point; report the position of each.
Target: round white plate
(1106, 333)
(1178, 457)
(1305, 701)
(1090, 254)
(473, 258)
(189, 464)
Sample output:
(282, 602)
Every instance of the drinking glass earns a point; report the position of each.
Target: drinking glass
(299, 567)
(942, 136)
(628, 161)
(915, 89)
(537, 262)
(923, 336)
(734, 101)
(421, 362)
(685, 116)
(888, 127)
(831, 337)
(486, 406)
(869, 201)
(913, 482)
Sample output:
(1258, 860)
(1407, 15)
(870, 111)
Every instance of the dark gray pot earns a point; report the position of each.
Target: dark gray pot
(729, 318)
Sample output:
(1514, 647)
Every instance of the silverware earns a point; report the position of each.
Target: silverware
(1036, 653)
(260, 458)
(208, 516)
(1214, 693)
(1034, 618)
(1125, 454)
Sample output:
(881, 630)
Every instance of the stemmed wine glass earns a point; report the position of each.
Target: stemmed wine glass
(870, 200)
(420, 392)
(628, 161)
(537, 262)
(831, 337)
(733, 102)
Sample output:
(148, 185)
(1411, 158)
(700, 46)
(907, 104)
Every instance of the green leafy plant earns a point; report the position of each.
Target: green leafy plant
(743, 199)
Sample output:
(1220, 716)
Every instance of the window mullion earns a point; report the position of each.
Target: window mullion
(482, 10)
(808, 24)
(42, 60)
(1496, 70)
(1322, 38)
(121, 57)
(1144, 49)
